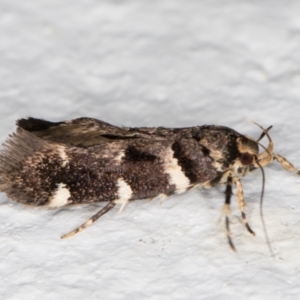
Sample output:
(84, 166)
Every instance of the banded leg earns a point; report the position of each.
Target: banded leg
(227, 212)
(285, 163)
(226, 176)
(90, 221)
(241, 202)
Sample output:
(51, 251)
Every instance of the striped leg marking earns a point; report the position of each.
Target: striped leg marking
(241, 203)
(228, 176)
(227, 211)
(286, 164)
(100, 213)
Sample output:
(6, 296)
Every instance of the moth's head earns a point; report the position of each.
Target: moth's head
(249, 157)
(248, 154)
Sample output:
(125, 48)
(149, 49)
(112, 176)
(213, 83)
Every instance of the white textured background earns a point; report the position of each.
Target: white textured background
(155, 63)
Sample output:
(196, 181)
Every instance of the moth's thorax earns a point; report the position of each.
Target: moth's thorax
(221, 142)
(228, 148)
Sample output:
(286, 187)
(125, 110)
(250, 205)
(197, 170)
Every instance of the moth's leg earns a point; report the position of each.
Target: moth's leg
(226, 176)
(222, 178)
(285, 163)
(100, 213)
(241, 202)
(227, 212)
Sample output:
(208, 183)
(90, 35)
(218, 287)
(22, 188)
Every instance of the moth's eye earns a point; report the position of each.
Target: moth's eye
(246, 158)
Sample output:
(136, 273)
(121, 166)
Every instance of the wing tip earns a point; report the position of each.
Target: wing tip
(34, 124)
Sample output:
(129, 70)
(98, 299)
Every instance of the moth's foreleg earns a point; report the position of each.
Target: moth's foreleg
(242, 203)
(227, 211)
(285, 163)
(100, 213)
(226, 176)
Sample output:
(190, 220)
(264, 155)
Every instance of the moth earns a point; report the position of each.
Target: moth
(82, 161)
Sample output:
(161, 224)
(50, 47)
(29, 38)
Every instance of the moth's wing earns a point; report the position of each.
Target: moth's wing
(40, 125)
(32, 164)
(81, 132)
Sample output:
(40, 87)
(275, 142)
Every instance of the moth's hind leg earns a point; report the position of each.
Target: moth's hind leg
(90, 221)
(227, 211)
(242, 203)
(285, 163)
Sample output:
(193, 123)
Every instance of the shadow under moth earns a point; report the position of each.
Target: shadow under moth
(81, 161)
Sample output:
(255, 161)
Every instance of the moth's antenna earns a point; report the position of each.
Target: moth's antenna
(261, 209)
(264, 133)
(267, 150)
(267, 156)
